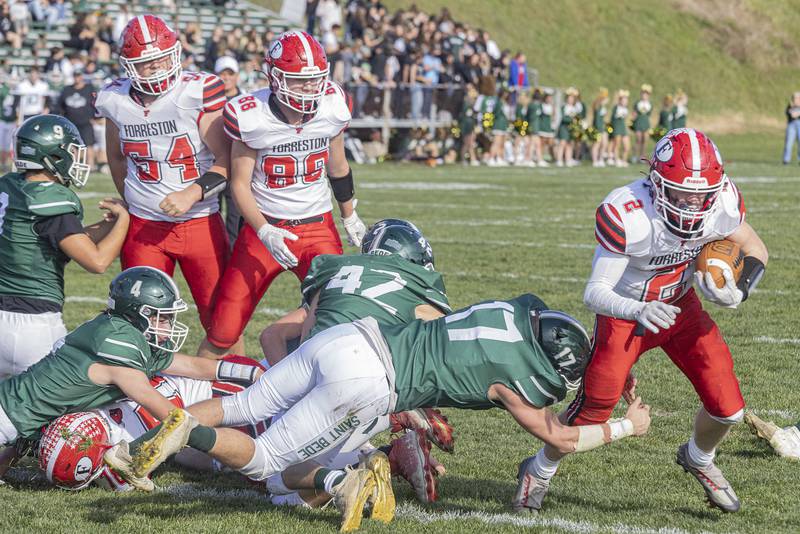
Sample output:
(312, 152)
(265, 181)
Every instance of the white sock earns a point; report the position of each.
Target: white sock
(544, 467)
(331, 479)
(293, 499)
(697, 456)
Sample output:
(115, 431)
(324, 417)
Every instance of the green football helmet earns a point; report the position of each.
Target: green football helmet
(396, 236)
(149, 300)
(566, 343)
(52, 143)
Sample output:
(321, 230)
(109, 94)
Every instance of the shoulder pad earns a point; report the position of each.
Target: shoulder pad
(731, 209)
(622, 224)
(119, 343)
(52, 199)
(104, 96)
(338, 104)
(244, 117)
(190, 90)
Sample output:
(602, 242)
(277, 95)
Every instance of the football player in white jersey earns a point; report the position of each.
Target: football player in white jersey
(287, 155)
(169, 158)
(649, 233)
(59, 449)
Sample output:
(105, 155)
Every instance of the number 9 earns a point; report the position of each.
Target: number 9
(58, 132)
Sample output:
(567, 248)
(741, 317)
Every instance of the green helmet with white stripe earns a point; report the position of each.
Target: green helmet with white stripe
(149, 299)
(53, 144)
(566, 343)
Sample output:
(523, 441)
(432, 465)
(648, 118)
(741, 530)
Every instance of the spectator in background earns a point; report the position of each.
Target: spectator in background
(7, 33)
(545, 131)
(680, 110)
(569, 113)
(120, 21)
(518, 73)
(641, 120)
(311, 15)
(330, 42)
(20, 17)
(467, 124)
(33, 93)
(214, 47)
(619, 130)
(76, 104)
(792, 128)
(329, 14)
(599, 119)
(8, 123)
(665, 115)
(55, 13)
(227, 69)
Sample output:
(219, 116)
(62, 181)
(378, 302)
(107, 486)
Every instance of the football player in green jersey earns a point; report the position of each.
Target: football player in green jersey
(516, 354)
(109, 358)
(40, 231)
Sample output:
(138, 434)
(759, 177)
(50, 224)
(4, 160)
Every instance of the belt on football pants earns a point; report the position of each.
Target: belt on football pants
(295, 222)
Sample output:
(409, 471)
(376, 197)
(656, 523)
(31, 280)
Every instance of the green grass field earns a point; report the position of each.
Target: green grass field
(498, 233)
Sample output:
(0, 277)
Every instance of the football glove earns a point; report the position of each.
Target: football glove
(354, 227)
(274, 239)
(727, 296)
(656, 314)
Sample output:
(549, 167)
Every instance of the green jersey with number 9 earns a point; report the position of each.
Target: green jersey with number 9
(453, 361)
(388, 288)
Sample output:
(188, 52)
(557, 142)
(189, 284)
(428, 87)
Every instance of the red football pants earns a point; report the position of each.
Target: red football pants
(199, 245)
(252, 269)
(693, 343)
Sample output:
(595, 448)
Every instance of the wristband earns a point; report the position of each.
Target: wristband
(343, 189)
(752, 272)
(620, 428)
(235, 372)
(211, 183)
(592, 436)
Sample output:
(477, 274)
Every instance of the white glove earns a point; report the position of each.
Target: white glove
(727, 296)
(273, 238)
(656, 314)
(354, 227)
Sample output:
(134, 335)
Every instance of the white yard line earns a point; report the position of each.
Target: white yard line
(777, 341)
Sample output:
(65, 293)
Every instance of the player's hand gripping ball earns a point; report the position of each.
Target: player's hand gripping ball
(718, 256)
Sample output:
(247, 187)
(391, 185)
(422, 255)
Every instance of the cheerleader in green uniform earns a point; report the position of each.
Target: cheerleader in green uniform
(569, 113)
(521, 131)
(499, 128)
(545, 130)
(619, 133)
(599, 119)
(534, 154)
(641, 119)
(680, 109)
(467, 121)
(665, 116)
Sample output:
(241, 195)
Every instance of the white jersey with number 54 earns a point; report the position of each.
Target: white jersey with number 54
(162, 143)
(660, 263)
(289, 177)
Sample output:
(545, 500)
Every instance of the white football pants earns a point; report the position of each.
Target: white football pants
(331, 388)
(27, 338)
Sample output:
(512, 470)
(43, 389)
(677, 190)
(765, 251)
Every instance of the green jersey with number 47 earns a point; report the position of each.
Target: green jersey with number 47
(29, 266)
(453, 361)
(388, 288)
(60, 383)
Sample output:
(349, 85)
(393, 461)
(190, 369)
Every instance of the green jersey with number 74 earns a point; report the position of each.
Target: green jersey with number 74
(453, 361)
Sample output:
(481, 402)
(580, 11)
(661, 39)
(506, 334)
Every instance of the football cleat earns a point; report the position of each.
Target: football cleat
(171, 438)
(350, 496)
(531, 490)
(785, 441)
(432, 421)
(719, 492)
(382, 500)
(118, 459)
(410, 458)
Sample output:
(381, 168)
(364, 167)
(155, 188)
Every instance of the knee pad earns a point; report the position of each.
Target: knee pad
(731, 419)
(256, 468)
(276, 486)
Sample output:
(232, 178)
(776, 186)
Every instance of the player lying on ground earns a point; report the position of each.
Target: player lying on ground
(111, 357)
(784, 441)
(72, 447)
(41, 229)
(394, 281)
(649, 233)
(513, 354)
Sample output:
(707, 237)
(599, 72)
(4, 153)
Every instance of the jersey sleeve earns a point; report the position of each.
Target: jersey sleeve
(55, 200)
(213, 94)
(540, 391)
(120, 349)
(609, 229)
(230, 121)
(435, 293)
(340, 106)
(55, 229)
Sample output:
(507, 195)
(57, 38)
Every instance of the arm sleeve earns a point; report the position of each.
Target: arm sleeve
(599, 296)
(54, 229)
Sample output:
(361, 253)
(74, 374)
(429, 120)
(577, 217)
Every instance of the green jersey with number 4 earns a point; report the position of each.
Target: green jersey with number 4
(60, 383)
(388, 288)
(453, 361)
(29, 266)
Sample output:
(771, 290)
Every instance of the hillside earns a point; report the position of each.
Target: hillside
(737, 59)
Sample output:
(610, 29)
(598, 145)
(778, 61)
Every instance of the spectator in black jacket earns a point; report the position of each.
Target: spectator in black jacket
(76, 103)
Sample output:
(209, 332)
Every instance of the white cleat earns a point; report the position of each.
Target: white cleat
(785, 441)
(718, 490)
(118, 459)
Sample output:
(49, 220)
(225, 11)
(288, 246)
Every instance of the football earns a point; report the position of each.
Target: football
(717, 255)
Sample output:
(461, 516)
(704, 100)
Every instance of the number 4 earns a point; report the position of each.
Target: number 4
(3, 206)
(136, 289)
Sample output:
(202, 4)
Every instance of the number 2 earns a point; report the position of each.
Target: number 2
(666, 284)
(3, 206)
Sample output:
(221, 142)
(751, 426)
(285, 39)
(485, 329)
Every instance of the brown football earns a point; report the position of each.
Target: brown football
(716, 255)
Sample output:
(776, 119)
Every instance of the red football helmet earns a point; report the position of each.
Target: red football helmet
(147, 39)
(71, 449)
(687, 175)
(297, 67)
